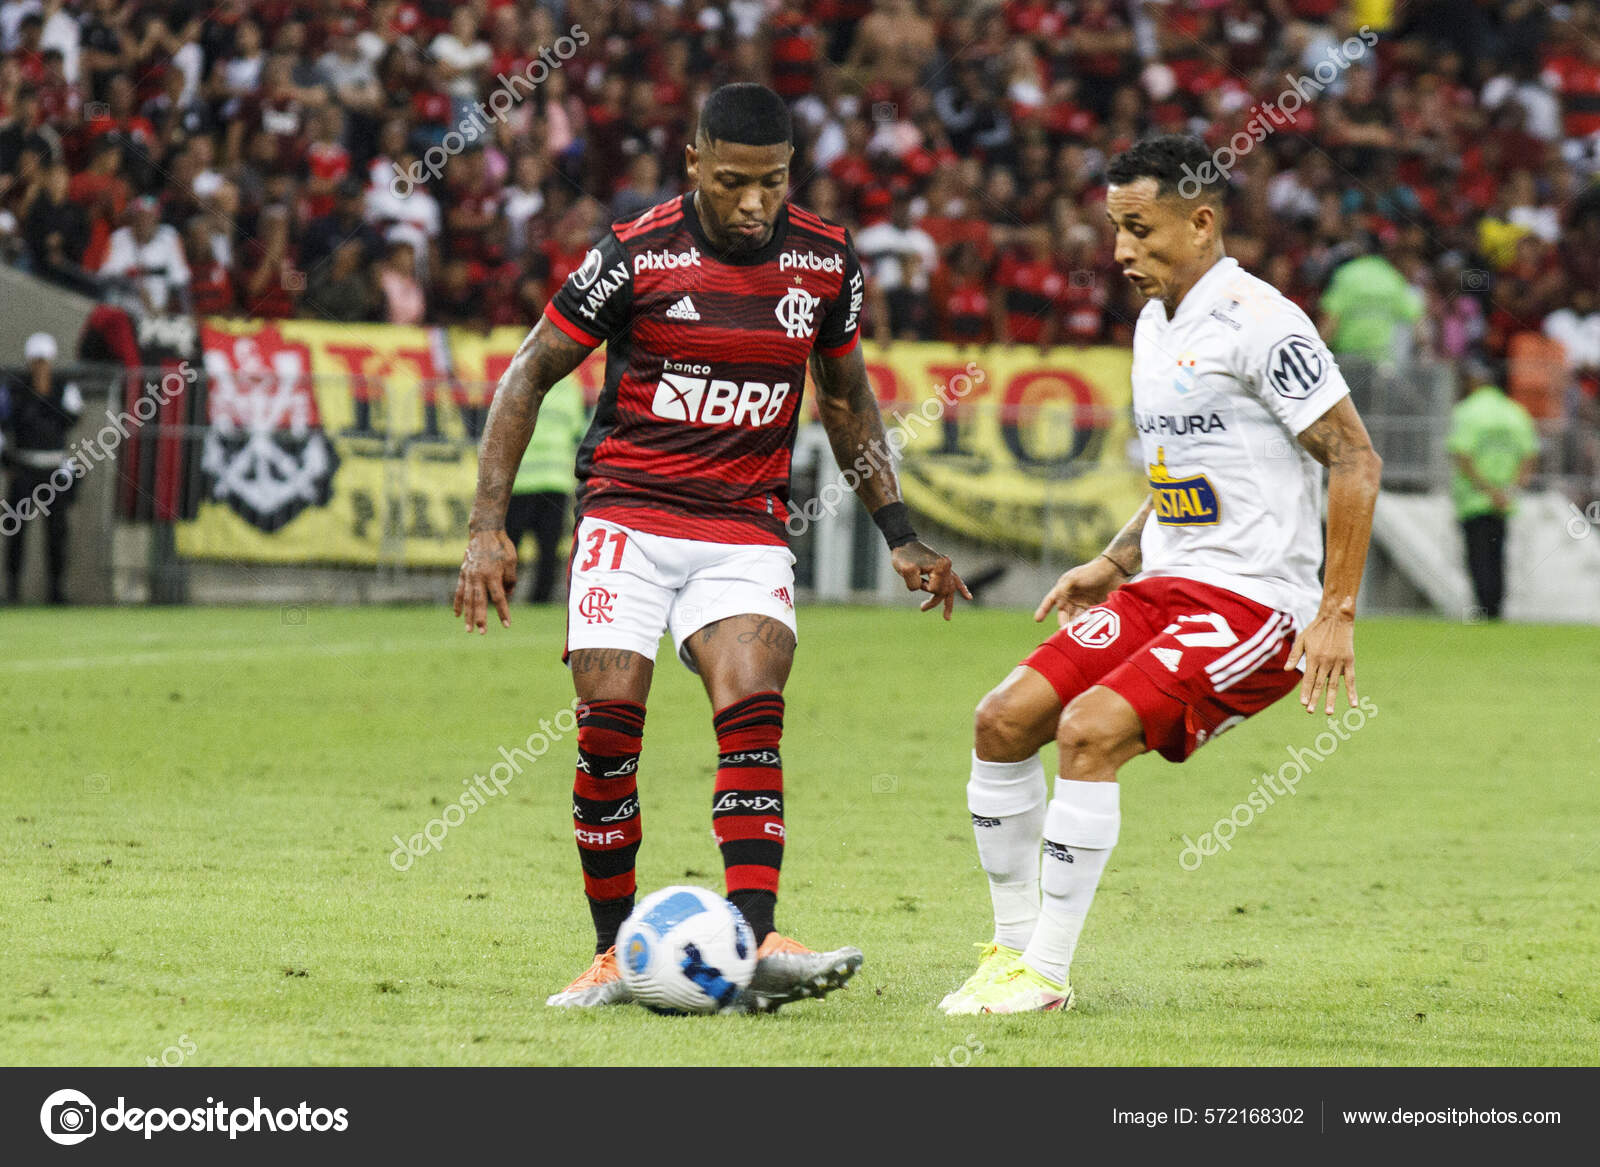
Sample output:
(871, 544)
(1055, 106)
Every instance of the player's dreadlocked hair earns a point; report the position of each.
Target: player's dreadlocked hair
(1181, 165)
(746, 113)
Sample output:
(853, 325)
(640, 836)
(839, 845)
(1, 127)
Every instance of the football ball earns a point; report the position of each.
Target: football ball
(686, 950)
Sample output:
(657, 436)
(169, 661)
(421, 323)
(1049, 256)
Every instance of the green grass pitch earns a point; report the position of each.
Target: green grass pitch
(199, 808)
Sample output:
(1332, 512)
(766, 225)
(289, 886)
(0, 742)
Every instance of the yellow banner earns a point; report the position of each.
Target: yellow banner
(1012, 446)
(342, 443)
(357, 443)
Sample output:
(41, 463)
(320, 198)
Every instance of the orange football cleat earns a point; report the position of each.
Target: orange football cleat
(599, 984)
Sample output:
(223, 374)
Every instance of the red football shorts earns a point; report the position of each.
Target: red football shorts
(1192, 659)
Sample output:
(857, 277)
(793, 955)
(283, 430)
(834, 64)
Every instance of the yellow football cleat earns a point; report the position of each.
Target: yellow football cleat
(1018, 989)
(993, 959)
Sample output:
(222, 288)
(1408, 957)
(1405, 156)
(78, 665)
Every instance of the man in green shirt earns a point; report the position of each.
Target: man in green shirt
(543, 485)
(1494, 447)
(1366, 301)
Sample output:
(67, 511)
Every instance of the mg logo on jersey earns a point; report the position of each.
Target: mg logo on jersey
(1182, 502)
(1295, 367)
(795, 311)
(595, 607)
(810, 261)
(665, 260)
(715, 402)
(1096, 628)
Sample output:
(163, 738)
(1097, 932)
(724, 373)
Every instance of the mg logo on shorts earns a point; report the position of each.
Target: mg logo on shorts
(595, 607)
(1096, 628)
(709, 401)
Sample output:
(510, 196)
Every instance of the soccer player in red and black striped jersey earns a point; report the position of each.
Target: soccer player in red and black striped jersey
(711, 306)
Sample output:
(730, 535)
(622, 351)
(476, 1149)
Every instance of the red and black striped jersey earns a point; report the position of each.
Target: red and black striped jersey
(705, 366)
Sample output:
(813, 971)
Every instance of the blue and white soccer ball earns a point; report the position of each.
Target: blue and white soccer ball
(686, 950)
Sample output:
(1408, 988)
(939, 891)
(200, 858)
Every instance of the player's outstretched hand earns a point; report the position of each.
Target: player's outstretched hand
(1329, 647)
(488, 576)
(925, 570)
(1078, 590)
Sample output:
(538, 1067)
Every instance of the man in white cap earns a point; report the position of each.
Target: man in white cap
(37, 413)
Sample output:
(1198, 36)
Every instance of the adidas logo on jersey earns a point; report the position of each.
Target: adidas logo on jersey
(683, 310)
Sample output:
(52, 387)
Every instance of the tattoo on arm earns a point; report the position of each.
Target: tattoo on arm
(850, 414)
(545, 357)
(1337, 439)
(1125, 549)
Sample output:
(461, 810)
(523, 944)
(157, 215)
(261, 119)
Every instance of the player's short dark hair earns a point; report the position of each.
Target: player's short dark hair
(746, 113)
(1180, 164)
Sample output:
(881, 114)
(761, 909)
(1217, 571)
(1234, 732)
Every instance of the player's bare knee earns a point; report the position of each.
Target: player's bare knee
(1088, 743)
(1001, 728)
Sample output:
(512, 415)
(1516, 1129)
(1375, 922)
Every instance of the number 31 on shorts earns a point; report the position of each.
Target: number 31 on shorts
(595, 544)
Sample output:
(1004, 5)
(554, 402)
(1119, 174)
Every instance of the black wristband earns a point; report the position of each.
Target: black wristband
(894, 520)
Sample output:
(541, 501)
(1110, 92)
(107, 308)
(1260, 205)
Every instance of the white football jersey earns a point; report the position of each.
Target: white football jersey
(1220, 393)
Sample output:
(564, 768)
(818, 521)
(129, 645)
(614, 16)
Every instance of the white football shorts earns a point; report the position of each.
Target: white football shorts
(627, 586)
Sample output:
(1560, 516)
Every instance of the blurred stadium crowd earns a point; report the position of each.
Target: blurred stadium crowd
(450, 161)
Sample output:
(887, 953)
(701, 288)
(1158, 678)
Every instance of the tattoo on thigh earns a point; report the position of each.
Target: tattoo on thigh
(602, 660)
(767, 631)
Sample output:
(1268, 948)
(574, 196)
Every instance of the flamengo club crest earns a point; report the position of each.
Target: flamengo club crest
(795, 311)
(595, 607)
(265, 454)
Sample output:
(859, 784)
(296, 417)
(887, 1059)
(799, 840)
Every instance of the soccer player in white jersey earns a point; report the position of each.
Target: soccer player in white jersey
(1202, 608)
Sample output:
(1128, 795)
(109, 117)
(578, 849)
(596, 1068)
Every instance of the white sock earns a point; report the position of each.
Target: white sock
(1080, 829)
(1007, 804)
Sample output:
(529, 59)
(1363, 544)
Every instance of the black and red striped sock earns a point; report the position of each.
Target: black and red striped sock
(605, 810)
(747, 808)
